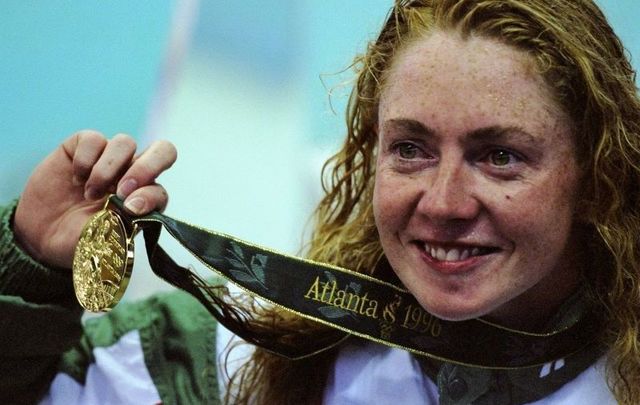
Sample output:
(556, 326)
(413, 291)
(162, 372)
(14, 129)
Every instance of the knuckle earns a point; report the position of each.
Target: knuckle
(99, 177)
(167, 148)
(86, 138)
(82, 165)
(90, 136)
(124, 140)
(88, 133)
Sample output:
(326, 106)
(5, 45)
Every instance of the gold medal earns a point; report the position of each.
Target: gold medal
(102, 261)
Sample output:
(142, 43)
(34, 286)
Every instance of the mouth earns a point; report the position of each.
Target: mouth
(454, 253)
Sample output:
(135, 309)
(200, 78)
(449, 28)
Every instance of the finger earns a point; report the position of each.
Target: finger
(84, 148)
(146, 199)
(114, 160)
(147, 167)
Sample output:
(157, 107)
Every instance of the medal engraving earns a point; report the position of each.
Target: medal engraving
(102, 262)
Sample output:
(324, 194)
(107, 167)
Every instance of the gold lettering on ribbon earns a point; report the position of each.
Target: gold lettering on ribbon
(409, 316)
(388, 320)
(330, 293)
(416, 318)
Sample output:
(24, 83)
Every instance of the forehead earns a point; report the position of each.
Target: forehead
(447, 53)
(470, 78)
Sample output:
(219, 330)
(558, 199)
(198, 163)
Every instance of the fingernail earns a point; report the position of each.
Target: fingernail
(135, 205)
(92, 193)
(127, 187)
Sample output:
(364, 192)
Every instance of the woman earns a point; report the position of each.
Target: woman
(449, 150)
(489, 161)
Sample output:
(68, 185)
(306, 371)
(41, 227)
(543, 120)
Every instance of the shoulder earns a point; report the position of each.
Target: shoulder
(361, 371)
(166, 314)
(589, 387)
(361, 374)
(165, 343)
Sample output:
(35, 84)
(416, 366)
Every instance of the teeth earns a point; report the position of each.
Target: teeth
(451, 255)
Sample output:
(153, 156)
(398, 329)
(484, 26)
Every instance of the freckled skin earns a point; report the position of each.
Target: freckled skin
(452, 192)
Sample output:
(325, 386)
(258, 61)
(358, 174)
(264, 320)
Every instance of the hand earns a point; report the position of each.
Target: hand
(71, 184)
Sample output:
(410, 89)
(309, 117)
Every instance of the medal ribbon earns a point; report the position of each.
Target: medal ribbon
(349, 302)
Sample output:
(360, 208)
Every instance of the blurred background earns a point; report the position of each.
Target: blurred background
(252, 93)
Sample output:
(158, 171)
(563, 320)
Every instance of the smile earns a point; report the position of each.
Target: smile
(454, 254)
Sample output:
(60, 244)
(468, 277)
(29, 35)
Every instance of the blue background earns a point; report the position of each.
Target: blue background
(247, 102)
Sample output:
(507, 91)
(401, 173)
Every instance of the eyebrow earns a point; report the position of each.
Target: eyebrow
(494, 133)
(501, 134)
(410, 126)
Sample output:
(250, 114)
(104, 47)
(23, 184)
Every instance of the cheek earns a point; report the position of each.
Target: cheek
(393, 200)
(539, 218)
(382, 205)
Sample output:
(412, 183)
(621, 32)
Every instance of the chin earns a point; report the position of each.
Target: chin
(451, 311)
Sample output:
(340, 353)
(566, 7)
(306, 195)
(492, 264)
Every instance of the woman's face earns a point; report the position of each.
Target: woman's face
(476, 181)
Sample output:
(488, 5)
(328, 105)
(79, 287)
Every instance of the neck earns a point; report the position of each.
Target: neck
(531, 316)
(532, 310)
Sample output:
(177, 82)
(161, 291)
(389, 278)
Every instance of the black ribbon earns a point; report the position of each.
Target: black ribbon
(351, 303)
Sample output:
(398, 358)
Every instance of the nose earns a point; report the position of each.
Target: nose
(448, 193)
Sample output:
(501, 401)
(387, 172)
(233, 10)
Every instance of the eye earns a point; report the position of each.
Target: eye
(501, 157)
(406, 155)
(503, 162)
(407, 150)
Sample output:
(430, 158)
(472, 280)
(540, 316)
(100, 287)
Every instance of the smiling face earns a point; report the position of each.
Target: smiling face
(476, 181)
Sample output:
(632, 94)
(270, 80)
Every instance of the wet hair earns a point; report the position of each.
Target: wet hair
(584, 64)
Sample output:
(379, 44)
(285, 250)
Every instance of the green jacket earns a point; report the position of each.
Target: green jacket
(42, 334)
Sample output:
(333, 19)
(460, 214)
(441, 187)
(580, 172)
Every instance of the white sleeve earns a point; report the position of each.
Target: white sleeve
(370, 373)
(231, 353)
(119, 375)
